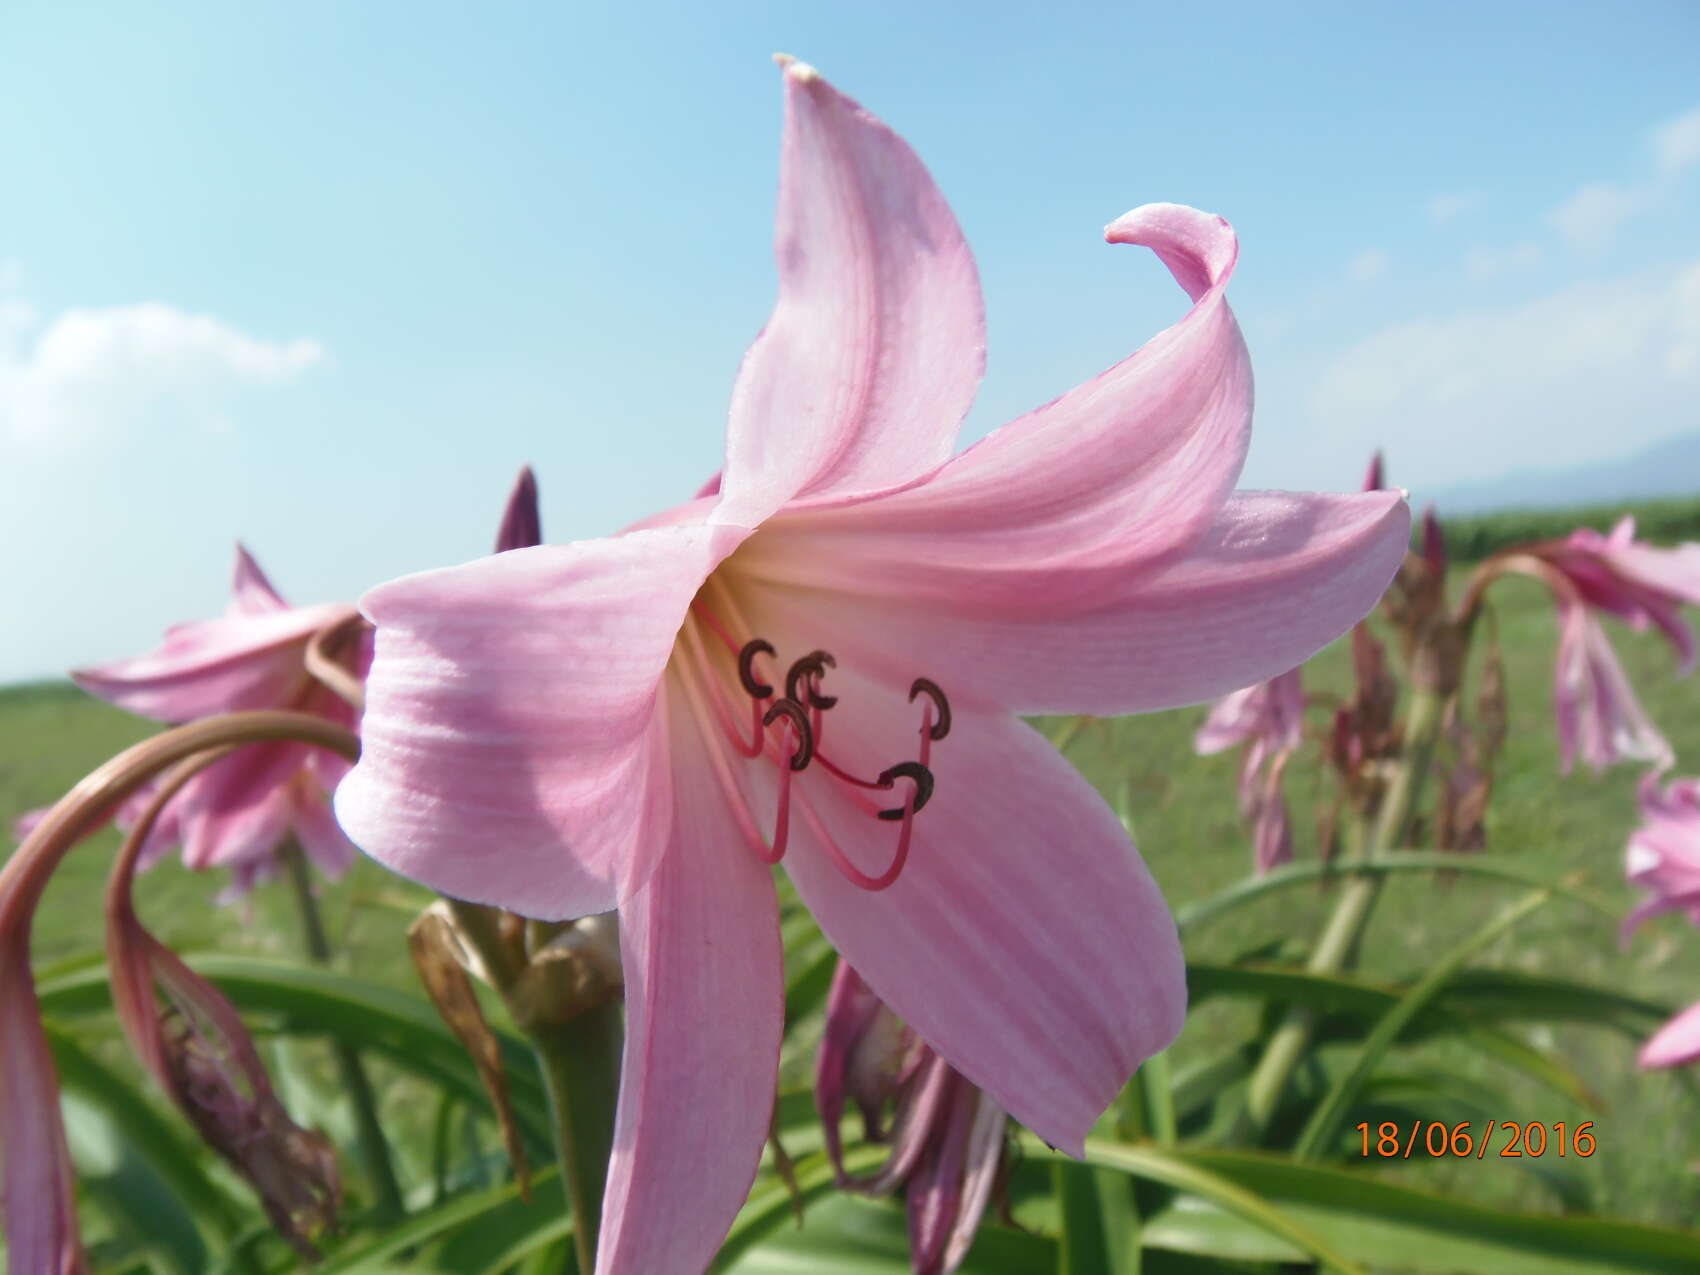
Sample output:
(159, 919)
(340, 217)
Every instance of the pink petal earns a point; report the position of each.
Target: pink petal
(1676, 1043)
(321, 836)
(239, 661)
(1276, 577)
(509, 752)
(1025, 940)
(1102, 482)
(239, 808)
(935, 1191)
(704, 1016)
(1598, 713)
(876, 344)
(39, 1195)
(251, 592)
(985, 1154)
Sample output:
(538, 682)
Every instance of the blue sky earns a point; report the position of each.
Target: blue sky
(322, 275)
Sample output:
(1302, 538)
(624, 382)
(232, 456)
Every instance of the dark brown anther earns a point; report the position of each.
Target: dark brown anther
(798, 717)
(923, 785)
(747, 668)
(815, 663)
(926, 686)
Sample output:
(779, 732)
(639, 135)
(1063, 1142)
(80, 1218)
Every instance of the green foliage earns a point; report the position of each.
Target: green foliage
(1471, 538)
(1438, 1022)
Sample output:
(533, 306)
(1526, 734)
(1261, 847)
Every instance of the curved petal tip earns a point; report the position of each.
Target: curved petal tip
(801, 72)
(1199, 248)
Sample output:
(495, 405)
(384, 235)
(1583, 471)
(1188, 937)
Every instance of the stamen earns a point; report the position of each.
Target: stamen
(746, 668)
(854, 875)
(812, 665)
(793, 712)
(713, 621)
(923, 787)
(722, 710)
(926, 686)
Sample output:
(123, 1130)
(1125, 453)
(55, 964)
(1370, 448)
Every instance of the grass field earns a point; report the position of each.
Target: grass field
(1182, 808)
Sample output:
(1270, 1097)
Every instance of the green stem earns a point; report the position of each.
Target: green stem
(1337, 948)
(374, 1147)
(581, 1072)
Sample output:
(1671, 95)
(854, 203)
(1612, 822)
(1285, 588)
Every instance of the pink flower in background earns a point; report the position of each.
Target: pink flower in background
(822, 658)
(238, 811)
(1268, 720)
(1676, 1044)
(1634, 581)
(1663, 857)
(947, 1139)
(1599, 717)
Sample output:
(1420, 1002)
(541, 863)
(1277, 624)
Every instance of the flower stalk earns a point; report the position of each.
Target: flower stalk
(581, 1074)
(369, 1130)
(1338, 945)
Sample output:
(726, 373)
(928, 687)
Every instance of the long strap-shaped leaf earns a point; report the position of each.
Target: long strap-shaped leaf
(1502, 867)
(1174, 1169)
(1320, 1129)
(1376, 1221)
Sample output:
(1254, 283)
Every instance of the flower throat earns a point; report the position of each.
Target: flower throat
(789, 729)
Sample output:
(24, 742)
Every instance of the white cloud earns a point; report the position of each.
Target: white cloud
(1491, 263)
(1444, 208)
(91, 371)
(1587, 373)
(1676, 143)
(1590, 217)
(1368, 265)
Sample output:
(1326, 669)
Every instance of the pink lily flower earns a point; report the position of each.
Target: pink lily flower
(1676, 1044)
(642, 721)
(237, 812)
(1663, 856)
(947, 1142)
(1599, 716)
(1268, 719)
(1637, 582)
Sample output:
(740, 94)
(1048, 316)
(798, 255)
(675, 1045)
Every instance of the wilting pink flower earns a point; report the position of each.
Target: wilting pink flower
(1635, 581)
(199, 1051)
(237, 812)
(1599, 716)
(1268, 719)
(947, 1138)
(1675, 1044)
(644, 721)
(40, 1204)
(1663, 857)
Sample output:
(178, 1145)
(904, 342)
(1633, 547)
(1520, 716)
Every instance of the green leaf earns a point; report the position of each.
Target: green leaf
(1501, 867)
(359, 1255)
(1183, 1172)
(1357, 1005)
(1325, 1121)
(1100, 1227)
(848, 1235)
(301, 1000)
(808, 987)
(1368, 1218)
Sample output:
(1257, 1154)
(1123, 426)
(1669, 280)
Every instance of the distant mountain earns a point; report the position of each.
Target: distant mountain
(1670, 468)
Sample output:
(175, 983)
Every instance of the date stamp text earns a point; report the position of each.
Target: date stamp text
(1475, 1139)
